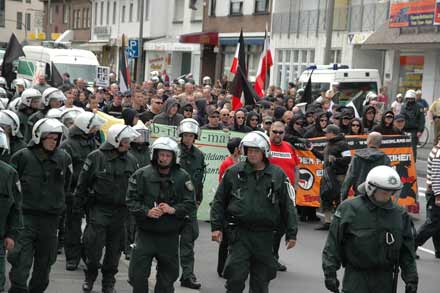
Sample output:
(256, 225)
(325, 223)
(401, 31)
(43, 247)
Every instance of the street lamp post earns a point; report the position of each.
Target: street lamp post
(139, 74)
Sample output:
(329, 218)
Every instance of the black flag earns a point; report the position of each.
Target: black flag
(307, 98)
(56, 79)
(13, 51)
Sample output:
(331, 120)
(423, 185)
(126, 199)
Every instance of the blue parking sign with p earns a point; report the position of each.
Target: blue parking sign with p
(133, 48)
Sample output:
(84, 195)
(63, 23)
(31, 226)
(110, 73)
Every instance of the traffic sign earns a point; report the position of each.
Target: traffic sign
(133, 45)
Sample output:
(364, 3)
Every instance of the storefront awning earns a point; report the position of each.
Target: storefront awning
(392, 38)
(95, 46)
(169, 45)
(232, 41)
(205, 38)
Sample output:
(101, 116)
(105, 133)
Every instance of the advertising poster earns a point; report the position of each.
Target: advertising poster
(411, 72)
(437, 13)
(411, 14)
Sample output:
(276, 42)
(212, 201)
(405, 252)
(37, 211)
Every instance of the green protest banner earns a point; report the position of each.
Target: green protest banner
(213, 144)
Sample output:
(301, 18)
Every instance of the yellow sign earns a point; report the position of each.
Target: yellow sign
(41, 36)
(32, 36)
(55, 36)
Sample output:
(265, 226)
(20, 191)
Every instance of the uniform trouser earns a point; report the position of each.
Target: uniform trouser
(36, 245)
(163, 247)
(130, 234)
(414, 142)
(431, 228)
(2, 268)
(61, 230)
(188, 236)
(374, 281)
(222, 254)
(105, 228)
(73, 222)
(250, 252)
(278, 235)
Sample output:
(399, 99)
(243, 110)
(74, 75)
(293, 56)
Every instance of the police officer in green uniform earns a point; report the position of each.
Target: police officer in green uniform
(31, 103)
(44, 171)
(10, 123)
(193, 161)
(80, 142)
(10, 212)
(159, 196)
(139, 148)
(414, 119)
(253, 197)
(371, 237)
(101, 189)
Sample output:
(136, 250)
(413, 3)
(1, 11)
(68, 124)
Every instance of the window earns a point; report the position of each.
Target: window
(130, 17)
(261, 6)
(123, 14)
(114, 13)
(147, 9)
(66, 13)
(78, 18)
(84, 18)
(178, 10)
(291, 63)
(335, 56)
(236, 7)
(212, 8)
(28, 21)
(96, 14)
(56, 9)
(50, 14)
(102, 14)
(108, 13)
(197, 15)
(2, 13)
(19, 20)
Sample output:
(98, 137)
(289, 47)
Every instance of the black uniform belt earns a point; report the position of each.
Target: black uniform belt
(254, 228)
(372, 270)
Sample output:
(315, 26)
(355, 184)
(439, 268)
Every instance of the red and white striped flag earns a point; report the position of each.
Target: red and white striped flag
(266, 63)
(235, 60)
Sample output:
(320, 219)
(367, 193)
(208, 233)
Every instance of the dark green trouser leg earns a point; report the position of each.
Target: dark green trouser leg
(2, 268)
(366, 282)
(93, 241)
(114, 245)
(164, 248)
(37, 245)
(188, 236)
(251, 252)
(72, 246)
(130, 233)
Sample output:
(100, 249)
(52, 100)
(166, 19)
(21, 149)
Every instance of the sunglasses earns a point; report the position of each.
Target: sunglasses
(268, 123)
(240, 118)
(188, 110)
(277, 132)
(389, 116)
(214, 116)
(355, 125)
(323, 120)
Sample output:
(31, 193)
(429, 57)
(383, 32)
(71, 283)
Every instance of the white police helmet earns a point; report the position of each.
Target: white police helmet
(9, 119)
(45, 126)
(86, 121)
(167, 144)
(4, 141)
(18, 82)
(382, 177)
(52, 93)
(189, 125)
(118, 132)
(206, 80)
(54, 113)
(144, 132)
(69, 115)
(256, 139)
(14, 105)
(410, 94)
(155, 79)
(3, 94)
(28, 95)
(154, 73)
(2, 81)
(3, 103)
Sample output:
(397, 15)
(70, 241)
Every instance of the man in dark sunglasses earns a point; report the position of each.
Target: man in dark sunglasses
(386, 126)
(156, 107)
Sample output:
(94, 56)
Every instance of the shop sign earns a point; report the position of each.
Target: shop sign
(412, 14)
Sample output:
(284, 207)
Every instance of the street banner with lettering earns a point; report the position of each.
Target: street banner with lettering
(412, 13)
(398, 149)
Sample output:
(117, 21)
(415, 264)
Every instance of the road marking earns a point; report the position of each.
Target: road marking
(426, 250)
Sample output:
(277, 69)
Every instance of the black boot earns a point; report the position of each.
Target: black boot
(281, 267)
(190, 283)
(87, 286)
(71, 266)
(108, 289)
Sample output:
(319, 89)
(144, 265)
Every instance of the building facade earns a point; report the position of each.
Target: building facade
(163, 22)
(23, 17)
(227, 18)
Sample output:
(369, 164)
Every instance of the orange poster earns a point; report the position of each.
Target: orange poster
(415, 13)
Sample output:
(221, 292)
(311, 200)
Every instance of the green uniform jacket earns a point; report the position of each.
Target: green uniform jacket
(147, 188)
(10, 197)
(255, 203)
(193, 161)
(141, 152)
(16, 144)
(23, 114)
(103, 179)
(78, 146)
(358, 239)
(44, 179)
(414, 117)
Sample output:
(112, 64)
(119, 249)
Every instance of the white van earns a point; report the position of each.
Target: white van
(351, 82)
(78, 63)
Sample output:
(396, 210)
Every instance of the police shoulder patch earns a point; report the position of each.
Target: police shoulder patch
(189, 185)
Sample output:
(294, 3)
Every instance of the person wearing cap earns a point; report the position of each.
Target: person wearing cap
(414, 119)
(80, 142)
(399, 124)
(45, 172)
(336, 157)
(213, 120)
(253, 198)
(267, 124)
(396, 106)
(159, 196)
(10, 211)
(101, 189)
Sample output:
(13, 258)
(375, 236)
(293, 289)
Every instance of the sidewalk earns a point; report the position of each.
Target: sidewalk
(62, 281)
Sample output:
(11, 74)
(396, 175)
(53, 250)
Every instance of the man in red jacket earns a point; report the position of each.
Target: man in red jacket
(284, 156)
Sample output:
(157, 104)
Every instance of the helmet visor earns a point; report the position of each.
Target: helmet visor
(144, 136)
(96, 122)
(128, 133)
(58, 95)
(4, 142)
